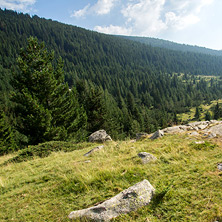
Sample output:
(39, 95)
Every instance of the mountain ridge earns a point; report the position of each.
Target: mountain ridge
(156, 42)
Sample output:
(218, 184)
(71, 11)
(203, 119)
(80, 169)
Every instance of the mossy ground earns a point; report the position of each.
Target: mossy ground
(187, 182)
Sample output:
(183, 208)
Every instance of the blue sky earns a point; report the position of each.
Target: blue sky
(194, 22)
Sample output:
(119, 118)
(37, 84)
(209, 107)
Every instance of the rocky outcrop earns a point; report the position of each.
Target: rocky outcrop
(93, 150)
(99, 136)
(175, 129)
(157, 134)
(146, 157)
(209, 129)
(128, 200)
(216, 130)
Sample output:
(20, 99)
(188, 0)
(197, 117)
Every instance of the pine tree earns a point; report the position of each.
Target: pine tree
(217, 111)
(7, 142)
(91, 97)
(197, 114)
(45, 107)
(208, 116)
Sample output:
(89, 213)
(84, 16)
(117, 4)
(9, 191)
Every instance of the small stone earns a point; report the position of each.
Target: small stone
(219, 166)
(146, 157)
(199, 142)
(94, 150)
(194, 134)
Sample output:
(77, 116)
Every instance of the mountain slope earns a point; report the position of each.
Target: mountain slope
(141, 87)
(81, 47)
(185, 177)
(172, 45)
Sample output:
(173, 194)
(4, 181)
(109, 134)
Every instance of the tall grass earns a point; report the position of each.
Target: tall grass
(188, 184)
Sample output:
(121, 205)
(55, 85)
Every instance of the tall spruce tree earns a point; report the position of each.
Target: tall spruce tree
(197, 113)
(91, 98)
(217, 111)
(7, 141)
(46, 109)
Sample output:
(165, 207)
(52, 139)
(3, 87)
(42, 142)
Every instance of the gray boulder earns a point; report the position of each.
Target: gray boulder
(146, 157)
(217, 129)
(99, 136)
(128, 200)
(93, 150)
(157, 134)
(173, 129)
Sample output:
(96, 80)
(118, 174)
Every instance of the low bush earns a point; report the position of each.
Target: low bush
(45, 149)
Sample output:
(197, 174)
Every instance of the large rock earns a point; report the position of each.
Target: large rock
(128, 200)
(99, 136)
(157, 134)
(146, 157)
(174, 129)
(217, 129)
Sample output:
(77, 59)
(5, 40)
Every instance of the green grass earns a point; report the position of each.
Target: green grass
(189, 116)
(187, 182)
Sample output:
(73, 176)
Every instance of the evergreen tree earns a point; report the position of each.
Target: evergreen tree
(217, 111)
(91, 98)
(7, 142)
(45, 107)
(197, 113)
(208, 116)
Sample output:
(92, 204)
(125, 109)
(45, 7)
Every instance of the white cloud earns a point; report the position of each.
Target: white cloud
(145, 16)
(81, 12)
(183, 13)
(116, 30)
(102, 7)
(151, 17)
(20, 5)
(180, 22)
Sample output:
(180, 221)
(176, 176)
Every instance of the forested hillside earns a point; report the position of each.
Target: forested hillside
(172, 45)
(120, 85)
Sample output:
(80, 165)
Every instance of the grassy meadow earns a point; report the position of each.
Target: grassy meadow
(185, 176)
(188, 116)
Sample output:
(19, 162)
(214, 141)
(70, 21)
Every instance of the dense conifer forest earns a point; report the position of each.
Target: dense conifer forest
(100, 81)
(172, 45)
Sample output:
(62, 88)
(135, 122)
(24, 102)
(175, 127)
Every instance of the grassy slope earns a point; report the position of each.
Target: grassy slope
(204, 108)
(188, 184)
